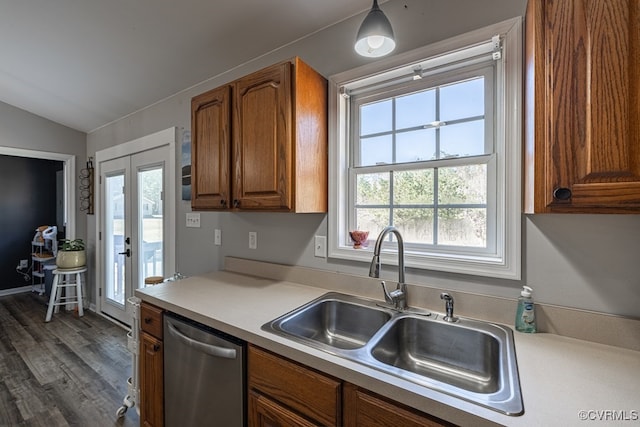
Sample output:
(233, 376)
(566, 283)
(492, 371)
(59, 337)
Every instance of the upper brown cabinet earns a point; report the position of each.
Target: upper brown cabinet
(582, 106)
(260, 143)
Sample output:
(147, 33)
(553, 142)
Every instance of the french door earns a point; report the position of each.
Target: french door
(134, 225)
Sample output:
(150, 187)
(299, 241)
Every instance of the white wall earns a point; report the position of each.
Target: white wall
(583, 261)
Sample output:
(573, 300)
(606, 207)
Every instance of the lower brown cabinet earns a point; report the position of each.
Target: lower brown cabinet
(151, 367)
(363, 408)
(283, 393)
(151, 381)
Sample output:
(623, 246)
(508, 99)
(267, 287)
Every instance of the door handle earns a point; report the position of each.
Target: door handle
(127, 253)
(212, 350)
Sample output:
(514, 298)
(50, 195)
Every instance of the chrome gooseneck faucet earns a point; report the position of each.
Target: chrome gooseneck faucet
(398, 297)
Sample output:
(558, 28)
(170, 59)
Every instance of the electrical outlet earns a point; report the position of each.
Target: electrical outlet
(320, 245)
(253, 240)
(217, 237)
(193, 219)
(24, 263)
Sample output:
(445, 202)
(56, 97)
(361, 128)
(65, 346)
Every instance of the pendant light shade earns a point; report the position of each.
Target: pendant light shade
(375, 36)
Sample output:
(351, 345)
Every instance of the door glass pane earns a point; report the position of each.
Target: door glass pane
(150, 224)
(114, 238)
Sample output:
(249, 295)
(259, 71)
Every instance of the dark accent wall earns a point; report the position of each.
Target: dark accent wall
(27, 201)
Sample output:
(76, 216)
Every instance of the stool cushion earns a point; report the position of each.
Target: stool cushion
(153, 280)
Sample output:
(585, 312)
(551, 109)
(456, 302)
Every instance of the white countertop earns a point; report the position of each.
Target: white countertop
(559, 377)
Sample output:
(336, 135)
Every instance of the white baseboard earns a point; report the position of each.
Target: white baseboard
(20, 290)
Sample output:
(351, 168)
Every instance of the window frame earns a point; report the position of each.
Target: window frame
(505, 261)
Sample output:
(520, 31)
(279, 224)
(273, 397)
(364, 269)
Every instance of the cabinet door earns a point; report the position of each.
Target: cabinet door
(363, 409)
(210, 149)
(264, 412)
(583, 118)
(303, 391)
(151, 381)
(262, 139)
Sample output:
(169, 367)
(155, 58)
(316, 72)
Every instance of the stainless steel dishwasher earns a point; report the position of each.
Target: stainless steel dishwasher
(204, 375)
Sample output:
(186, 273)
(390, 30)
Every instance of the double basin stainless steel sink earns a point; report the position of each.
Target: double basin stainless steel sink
(471, 360)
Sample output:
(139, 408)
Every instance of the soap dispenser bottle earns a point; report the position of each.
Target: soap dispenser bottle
(525, 313)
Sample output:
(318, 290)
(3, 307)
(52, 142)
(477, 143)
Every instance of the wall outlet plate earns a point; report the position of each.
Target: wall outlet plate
(320, 246)
(253, 240)
(24, 263)
(217, 237)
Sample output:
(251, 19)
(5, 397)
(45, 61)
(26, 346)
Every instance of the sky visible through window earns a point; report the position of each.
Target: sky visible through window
(461, 108)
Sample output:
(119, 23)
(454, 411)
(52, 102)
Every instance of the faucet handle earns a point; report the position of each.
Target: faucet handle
(387, 295)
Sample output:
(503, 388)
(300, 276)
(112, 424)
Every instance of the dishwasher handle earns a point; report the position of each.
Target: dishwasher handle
(212, 350)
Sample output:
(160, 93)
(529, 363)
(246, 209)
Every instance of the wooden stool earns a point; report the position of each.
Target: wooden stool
(64, 278)
(153, 280)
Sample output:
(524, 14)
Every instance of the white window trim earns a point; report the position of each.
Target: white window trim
(507, 262)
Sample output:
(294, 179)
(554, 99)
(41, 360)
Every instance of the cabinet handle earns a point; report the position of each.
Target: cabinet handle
(562, 193)
(156, 347)
(147, 320)
(236, 203)
(223, 202)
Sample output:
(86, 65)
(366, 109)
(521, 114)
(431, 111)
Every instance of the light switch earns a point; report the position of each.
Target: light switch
(217, 237)
(193, 219)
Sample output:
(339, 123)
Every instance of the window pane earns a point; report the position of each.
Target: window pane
(462, 139)
(416, 146)
(150, 224)
(114, 238)
(376, 150)
(416, 109)
(372, 189)
(415, 225)
(462, 100)
(462, 227)
(375, 117)
(372, 220)
(462, 185)
(413, 187)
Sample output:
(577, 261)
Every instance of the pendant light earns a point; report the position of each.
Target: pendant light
(375, 36)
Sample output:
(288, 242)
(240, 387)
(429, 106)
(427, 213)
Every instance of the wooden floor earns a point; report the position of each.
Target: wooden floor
(68, 372)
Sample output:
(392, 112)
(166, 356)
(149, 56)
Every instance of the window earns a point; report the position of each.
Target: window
(430, 143)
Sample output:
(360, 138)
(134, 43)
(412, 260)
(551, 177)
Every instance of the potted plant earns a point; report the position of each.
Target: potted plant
(71, 254)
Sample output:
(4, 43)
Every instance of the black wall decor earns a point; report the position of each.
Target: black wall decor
(27, 201)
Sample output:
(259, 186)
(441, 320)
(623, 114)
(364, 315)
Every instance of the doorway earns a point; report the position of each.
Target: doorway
(136, 227)
(38, 190)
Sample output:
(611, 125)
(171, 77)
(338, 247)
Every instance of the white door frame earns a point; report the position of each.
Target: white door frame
(69, 171)
(159, 139)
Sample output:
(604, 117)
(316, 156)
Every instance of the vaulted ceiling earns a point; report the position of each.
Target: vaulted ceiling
(86, 63)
